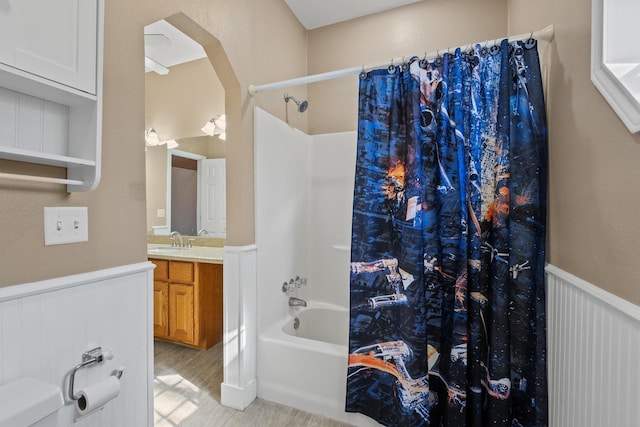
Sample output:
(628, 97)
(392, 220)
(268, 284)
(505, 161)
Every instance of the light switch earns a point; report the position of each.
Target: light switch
(65, 225)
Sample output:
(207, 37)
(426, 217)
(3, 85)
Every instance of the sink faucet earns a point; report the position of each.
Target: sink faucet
(176, 235)
(297, 302)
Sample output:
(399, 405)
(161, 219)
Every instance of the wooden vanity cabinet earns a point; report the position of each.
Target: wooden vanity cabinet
(187, 302)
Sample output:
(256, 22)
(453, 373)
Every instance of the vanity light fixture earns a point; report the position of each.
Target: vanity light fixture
(216, 126)
(151, 140)
(151, 137)
(171, 143)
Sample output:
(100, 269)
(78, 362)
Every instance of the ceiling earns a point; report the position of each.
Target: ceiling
(166, 46)
(319, 13)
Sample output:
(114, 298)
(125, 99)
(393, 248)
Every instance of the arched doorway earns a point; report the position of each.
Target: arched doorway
(220, 63)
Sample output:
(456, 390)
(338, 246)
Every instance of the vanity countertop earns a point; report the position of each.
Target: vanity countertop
(207, 254)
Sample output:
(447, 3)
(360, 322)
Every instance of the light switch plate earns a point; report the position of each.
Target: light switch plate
(65, 225)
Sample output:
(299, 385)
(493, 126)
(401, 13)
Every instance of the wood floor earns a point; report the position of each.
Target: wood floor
(187, 393)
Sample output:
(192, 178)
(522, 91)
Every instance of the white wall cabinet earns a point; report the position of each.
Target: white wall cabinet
(52, 39)
(615, 57)
(51, 85)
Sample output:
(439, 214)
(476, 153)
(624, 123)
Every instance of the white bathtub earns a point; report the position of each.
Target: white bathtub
(306, 368)
(322, 322)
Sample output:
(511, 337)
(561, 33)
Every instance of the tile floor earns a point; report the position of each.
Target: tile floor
(187, 393)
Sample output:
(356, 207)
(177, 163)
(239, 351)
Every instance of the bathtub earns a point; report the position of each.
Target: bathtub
(306, 368)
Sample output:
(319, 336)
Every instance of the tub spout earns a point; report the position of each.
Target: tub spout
(297, 302)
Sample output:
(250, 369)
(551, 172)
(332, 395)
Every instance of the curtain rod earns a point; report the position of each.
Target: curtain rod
(545, 34)
(40, 179)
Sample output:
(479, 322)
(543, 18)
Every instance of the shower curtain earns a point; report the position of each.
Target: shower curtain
(447, 323)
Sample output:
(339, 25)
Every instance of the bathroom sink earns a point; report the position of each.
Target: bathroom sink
(165, 250)
(195, 253)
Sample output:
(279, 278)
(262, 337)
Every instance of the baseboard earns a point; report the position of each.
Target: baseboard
(237, 397)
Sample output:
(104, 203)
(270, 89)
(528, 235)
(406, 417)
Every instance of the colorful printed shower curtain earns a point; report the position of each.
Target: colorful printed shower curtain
(447, 324)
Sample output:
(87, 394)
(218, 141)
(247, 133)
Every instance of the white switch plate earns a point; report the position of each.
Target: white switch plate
(65, 225)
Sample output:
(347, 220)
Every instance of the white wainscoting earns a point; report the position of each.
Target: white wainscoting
(593, 354)
(46, 326)
(240, 386)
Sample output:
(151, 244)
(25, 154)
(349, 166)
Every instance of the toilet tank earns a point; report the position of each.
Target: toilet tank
(26, 401)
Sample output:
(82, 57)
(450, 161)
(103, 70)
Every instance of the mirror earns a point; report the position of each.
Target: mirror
(179, 100)
(186, 188)
(182, 192)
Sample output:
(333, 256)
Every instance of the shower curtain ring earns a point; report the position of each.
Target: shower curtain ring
(363, 74)
(530, 44)
(495, 49)
(438, 60)
(484, 50)
(404, 66)
(392, 68)
(424, 63)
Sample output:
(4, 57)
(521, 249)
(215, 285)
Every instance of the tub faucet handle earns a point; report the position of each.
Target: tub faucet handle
(297, 302)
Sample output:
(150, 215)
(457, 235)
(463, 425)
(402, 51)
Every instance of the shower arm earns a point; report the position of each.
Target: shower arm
(545, 34)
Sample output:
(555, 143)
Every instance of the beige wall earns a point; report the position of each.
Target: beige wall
(594, 173)
(156, 179)
(593, 159)
(248, 42)
(411, 30)
(178, 104)
(254, 39)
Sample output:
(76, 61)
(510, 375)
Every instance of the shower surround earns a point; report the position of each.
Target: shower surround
(304, 191)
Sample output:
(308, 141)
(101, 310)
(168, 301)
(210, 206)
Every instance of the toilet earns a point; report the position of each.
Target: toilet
(26, 401)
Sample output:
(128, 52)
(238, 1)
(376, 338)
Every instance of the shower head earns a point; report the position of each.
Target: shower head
(302, 105)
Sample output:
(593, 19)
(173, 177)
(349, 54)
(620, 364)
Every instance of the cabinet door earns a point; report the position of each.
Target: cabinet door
(160, 309)
(54, 39)
(161, 272)
(181, 314)
(181, 271)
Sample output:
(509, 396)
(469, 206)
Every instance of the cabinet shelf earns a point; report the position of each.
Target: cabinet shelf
(37, 157)
(39, 87)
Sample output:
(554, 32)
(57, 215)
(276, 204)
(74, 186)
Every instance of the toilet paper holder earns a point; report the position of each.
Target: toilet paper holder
(89, 358)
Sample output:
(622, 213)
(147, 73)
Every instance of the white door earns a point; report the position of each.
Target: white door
(213, 197)
(53, 39)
